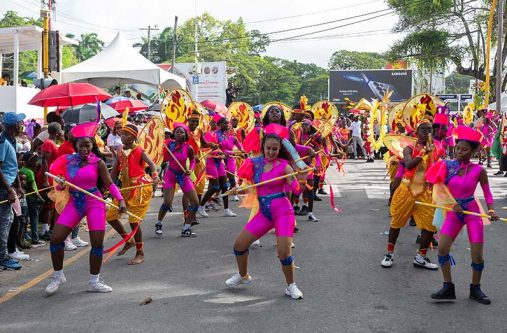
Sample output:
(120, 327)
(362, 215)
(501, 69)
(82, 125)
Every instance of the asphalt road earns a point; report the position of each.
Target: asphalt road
(338, 260)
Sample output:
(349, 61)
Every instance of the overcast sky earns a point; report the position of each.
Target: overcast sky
(106, 17)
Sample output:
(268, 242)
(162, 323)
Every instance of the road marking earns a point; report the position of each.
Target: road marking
(67, 262)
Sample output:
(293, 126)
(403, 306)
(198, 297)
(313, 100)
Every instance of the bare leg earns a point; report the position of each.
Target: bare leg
(96, 241)
(59, 235)
(168, 194)
(139, 258)
(242, 243)
(284, 250)
(444, 247)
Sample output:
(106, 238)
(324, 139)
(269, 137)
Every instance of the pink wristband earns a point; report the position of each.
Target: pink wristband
(488, 197)
(115, 192)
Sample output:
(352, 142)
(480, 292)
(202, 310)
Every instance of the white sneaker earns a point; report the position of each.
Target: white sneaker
(69, 246)
(387, 262)
(234, 198)
(237, 279)
(202, 212)
(424, 262)
(311, 217)
(79, 242)
(99, 287)
(19, 255)
(229, 213)
(293, 291)
(257, 243)
(54, 284)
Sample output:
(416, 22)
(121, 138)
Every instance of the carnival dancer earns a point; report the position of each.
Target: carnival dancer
(196, 140)
(417, 158)
(240, 135)
(275, 210)
(488, 133)
(221, 169)
(129, 169)
(461, 178)
(176, 173)
(87, 170)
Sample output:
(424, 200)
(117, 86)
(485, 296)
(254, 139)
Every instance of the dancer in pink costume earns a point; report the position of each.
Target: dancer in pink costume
(182, 152)
(88, 171)
(461, 177)
(275, 210)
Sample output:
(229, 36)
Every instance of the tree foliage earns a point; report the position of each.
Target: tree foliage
(89, 45)
(444, 32)
(457, 84)
(345, 60)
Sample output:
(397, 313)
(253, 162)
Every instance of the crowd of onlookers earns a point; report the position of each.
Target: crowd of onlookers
(27, 151)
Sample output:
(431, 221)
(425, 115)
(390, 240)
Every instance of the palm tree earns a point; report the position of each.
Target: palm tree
(89, 46)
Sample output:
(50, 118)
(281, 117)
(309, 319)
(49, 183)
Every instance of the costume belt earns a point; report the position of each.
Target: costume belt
(79, 198)
(180, 176)
(463, 202)
(265, 203)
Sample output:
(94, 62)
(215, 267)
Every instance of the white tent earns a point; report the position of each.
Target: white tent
(503, 103)
(119, 63)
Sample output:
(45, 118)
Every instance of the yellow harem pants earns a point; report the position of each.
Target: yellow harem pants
(138, 203)
(201, 183)
(403, 206)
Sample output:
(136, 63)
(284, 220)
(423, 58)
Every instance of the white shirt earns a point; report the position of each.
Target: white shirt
(355, 127)
(114, 141)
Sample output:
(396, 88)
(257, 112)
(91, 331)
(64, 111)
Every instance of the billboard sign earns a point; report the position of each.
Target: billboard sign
(357, 84)
(208, 84)
(451, 98)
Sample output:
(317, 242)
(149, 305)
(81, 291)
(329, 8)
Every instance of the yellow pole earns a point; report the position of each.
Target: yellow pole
(45, 49)
(466, 212)
(488, 51)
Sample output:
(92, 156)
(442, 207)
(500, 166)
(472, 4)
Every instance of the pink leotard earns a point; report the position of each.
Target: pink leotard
(462, 188)
(174, 175)
(80, 204)
(275, 210)
(226, 144)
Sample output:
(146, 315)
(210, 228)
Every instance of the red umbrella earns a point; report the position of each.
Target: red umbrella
(133, 105)
(69, 94)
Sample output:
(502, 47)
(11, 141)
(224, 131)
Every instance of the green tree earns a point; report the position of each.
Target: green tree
(344, 60)
(457, 84)
(440, 32)
(89, 45)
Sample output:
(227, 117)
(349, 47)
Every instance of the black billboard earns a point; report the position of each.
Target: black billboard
(357, 84)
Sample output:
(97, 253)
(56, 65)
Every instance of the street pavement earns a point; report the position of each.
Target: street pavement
(338, 270)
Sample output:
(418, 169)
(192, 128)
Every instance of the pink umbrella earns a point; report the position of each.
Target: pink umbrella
(69, 94)
(133, 105)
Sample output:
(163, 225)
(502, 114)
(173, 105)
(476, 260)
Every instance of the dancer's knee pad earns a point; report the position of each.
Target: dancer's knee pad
(54, 248)
(477, 267)
(287, 261)
(240, 253)
(443, 259)
(166, 208)
(225, 186)
(215, 187)
(97, 251)
(193, 209)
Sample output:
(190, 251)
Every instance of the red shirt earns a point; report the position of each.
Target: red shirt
(50, 147)
(65, 148)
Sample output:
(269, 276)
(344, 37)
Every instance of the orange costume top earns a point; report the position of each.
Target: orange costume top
(133, 162)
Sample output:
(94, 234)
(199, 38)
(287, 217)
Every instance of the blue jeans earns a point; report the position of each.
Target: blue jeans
(33, 214)
(6, 218)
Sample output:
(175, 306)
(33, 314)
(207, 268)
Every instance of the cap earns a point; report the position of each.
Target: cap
(468, 133)
(12, 118)
(441, 119)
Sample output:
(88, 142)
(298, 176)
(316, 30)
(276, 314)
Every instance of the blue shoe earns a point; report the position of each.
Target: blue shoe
(10, 264)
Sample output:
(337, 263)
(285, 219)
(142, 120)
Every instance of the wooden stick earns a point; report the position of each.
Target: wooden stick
(90, 194)
(266, 181)
(133, 187)
(320, 130)
(464, 212)
(175, 159)
(33, 192)
(307, 156)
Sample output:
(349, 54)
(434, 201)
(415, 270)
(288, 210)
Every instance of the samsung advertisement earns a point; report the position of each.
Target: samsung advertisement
(368, 84)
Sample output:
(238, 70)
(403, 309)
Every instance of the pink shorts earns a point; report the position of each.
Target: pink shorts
(452, 225)
(215, 168)
(170, 182)
(283, 220)
(95, 212)
(230, 164)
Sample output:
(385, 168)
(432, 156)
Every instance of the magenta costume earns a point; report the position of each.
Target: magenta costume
(226, 144)
(174, 175)
(80, 204)
(462, 189)
(275, 210)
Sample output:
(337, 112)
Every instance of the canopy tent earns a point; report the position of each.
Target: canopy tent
(119, 63)
(503, 103)
(14, 40)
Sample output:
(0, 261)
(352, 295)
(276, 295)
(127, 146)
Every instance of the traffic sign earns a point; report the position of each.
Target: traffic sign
(195, 79)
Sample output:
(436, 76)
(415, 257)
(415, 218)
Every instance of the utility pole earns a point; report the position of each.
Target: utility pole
(45, 13)
(196, 55)
(499, 62)
(174, 43)
(149, 29)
